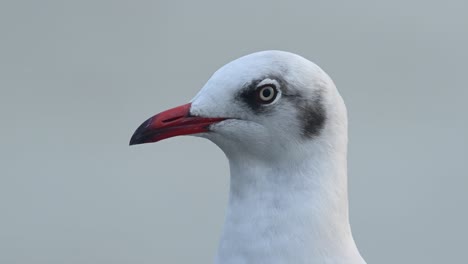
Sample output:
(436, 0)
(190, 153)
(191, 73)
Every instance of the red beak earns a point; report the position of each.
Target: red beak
(170, 123)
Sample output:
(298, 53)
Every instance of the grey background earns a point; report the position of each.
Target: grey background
(77, 77)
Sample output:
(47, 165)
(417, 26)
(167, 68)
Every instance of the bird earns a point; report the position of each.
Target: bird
(282, 124)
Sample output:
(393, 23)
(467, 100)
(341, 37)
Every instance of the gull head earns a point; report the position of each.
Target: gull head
(263, 106)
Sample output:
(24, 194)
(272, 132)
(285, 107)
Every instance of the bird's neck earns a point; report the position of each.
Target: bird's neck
(288, 212)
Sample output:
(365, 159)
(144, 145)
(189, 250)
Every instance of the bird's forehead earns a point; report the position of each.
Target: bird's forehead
(242, 71)
(236, 74)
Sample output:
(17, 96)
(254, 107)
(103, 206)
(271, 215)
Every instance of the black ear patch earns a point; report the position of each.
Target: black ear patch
(312, 115)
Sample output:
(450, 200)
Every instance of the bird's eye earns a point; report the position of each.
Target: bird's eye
(266, 94)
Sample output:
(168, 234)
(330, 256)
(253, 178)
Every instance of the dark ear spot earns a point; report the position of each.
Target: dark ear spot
(312, 116)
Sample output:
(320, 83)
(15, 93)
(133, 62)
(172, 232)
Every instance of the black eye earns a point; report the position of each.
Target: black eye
(266, 94)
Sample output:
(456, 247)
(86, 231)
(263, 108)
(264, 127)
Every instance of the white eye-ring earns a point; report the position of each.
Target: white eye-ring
(266, 94)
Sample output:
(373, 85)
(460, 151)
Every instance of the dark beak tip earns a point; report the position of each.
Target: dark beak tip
(133, 141)
(137, 137)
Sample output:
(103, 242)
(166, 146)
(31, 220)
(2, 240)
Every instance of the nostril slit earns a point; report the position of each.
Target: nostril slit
(171, 119)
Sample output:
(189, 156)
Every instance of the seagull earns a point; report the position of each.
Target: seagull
(282, 124)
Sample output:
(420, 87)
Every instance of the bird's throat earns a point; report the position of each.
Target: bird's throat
(287, 214)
